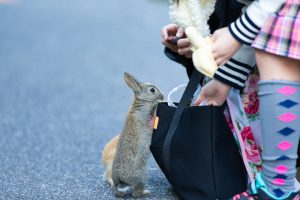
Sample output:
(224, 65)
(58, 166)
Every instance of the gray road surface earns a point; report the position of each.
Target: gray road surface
(62, 95)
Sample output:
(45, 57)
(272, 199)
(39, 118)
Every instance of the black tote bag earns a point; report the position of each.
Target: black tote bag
(195, 149)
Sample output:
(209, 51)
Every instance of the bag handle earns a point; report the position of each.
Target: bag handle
(170, 102)
(196, 78)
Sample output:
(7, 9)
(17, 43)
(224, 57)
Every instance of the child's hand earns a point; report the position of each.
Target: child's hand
(213, 93)
(224, 45)
(185, 47)
(168, 33)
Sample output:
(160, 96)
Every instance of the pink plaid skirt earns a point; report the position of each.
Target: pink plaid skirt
(280, 34)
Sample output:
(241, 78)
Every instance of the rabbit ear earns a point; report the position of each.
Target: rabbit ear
(132, 82)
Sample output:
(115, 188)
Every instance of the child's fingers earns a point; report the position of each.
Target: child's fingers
(213, 38)
(199, 99)
(221, 61)
(219, 58)
(214, 51)
(174, 48)
(180, 32)
(169, 30)
(183, 43)
(184, 51)
(164, 34)
(216, 57)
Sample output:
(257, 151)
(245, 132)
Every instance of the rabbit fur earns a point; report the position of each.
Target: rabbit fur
(129, 170)
(108, 156)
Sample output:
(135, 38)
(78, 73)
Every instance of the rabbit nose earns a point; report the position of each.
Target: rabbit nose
(161, 96)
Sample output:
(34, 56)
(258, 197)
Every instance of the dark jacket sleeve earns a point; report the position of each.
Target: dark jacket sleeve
(186, 62)
(226, 12)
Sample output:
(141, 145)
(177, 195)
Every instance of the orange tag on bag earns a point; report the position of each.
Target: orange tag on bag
(156, 122)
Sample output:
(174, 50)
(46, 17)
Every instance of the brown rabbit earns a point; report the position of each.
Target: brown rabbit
(129, 167)
(108, 156)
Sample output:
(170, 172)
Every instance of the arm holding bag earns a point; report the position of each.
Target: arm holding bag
(195, 149)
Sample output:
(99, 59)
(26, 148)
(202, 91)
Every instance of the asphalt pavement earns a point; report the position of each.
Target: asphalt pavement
(62, 94)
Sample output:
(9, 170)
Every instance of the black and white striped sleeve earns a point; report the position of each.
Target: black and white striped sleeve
(246, 27)
(233, 73)
(236, 71)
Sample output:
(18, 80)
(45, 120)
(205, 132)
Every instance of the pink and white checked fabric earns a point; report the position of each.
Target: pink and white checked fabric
(281, 33)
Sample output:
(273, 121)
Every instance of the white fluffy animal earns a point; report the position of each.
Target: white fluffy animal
(193, 15)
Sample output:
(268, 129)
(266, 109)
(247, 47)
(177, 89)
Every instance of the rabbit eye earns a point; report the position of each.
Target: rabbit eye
(152, 90)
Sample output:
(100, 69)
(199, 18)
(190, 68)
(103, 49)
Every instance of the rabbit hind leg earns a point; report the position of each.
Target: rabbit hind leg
(122, 190)
(140, 191)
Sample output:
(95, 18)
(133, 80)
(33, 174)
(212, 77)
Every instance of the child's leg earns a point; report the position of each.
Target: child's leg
(279, 95)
